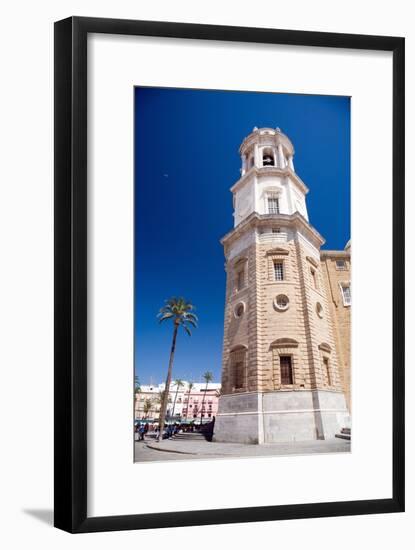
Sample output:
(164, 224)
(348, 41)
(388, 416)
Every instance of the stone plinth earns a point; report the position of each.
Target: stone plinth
(280, 416)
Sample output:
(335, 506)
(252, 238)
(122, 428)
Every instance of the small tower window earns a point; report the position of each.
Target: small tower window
(281, 302)
(239, 310)
(286, 369)
(268, 158)
(238, 372)
(326, 366)
(279, 271)
(273, 205)
(347, 295)
(341, 265)
(240, 280)
(238, 375)
(314, 277)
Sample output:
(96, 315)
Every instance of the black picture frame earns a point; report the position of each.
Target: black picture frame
(71, 273)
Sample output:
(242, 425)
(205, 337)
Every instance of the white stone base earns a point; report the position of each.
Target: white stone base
(278, 416)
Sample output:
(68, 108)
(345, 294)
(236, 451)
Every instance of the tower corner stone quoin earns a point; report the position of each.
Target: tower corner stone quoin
(286, 344)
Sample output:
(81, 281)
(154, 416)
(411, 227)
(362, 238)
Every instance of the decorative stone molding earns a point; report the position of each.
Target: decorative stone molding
(277, 252)
(292, 221)
(284, 343)
(341, 254)
(312, 261)
(324, 347)
(281, 302)
(238, 347)
(239, 261)
(239, 310)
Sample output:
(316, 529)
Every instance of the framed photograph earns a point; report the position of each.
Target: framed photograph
(221, 193)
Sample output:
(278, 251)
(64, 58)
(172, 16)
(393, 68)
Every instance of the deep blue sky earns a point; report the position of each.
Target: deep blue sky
(186, 159)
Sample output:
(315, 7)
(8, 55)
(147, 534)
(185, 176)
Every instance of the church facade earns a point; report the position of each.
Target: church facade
(286, 347)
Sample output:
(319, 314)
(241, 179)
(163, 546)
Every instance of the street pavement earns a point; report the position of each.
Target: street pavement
(189, 449)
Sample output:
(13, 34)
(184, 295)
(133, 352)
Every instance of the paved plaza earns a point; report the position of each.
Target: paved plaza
(186, 448)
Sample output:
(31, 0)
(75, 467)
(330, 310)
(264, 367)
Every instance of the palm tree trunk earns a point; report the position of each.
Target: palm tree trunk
(168, 382)
(188, 404)
(174, 402)
(203, 402)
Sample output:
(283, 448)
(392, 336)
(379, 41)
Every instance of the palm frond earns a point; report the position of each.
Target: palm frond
(208, 376)
(192, 316)
(191, 322)
(165, 316)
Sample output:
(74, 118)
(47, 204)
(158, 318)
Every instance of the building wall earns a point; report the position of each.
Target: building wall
(264, 331)
(341, 313)
(151, 393)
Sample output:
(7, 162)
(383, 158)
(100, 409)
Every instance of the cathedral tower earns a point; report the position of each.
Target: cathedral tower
(280, 371)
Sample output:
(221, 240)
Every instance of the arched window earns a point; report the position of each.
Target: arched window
(268, 157)
(238, 369)
(240, 274)
(326, 371)
(326, 368)
(286, 369)
(284, 359)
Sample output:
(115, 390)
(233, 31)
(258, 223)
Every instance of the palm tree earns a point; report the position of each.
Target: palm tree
(189, 390)
(208, 377)
(181, 313)
(179, 384)
(160, 398)
(148, 405)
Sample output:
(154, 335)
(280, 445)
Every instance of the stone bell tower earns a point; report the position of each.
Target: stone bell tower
(280, 373)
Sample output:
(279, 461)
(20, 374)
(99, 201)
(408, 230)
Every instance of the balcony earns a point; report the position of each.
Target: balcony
(273, 238)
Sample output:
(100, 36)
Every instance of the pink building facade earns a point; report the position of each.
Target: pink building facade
(200, 403)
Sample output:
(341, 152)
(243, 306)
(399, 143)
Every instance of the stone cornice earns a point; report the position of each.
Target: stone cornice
(258, 220)
(266, 136)
(334, 254)
(267, 171)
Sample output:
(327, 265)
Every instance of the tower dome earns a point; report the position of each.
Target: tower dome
(266, 147)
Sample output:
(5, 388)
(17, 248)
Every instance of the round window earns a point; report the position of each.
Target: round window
(239, 309)
(281, 302)
(319, 309)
